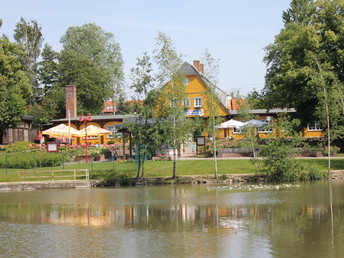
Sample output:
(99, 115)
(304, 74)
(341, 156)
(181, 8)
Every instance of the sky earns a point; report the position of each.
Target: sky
(236, 32)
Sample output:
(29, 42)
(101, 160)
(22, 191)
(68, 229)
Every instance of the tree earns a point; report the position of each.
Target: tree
(250, 132)
(99, 47)
(29, 35)
(211, 72)
(311, 28)
(305, 65)
(280, 149)
(91, 80)
(330, 98)
(14, 85)
(48, 68)
(172, 94)
(145, 127)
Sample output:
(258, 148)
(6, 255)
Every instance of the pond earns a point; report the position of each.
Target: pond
(297, 220)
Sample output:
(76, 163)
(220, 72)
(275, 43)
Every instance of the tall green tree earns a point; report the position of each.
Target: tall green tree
(91, 80)
(311, 28)
(14, 85)
(29, 35)
(48, 68)
(145, 127)
(172, 94)
(99, 47)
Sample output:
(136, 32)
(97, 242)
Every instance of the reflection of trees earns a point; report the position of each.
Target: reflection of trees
(289, 220)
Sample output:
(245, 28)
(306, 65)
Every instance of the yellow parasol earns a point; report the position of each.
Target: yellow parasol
(61, 130)
(93, 130)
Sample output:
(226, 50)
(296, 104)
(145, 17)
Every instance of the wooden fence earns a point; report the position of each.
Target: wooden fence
(71, 174)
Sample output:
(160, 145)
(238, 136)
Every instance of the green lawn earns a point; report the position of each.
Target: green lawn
(164, 168)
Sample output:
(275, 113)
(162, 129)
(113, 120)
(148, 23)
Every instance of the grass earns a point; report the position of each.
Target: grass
(164, 168)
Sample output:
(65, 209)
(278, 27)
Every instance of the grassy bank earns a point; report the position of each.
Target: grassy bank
(164, 168)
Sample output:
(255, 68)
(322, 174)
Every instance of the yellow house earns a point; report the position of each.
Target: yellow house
(197, 89)
(196, 103)
(266, 116)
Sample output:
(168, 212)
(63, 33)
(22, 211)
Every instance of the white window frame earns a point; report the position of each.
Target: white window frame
(314, 127)
(111, 128)
(264, 129)
(186, 102)
(198, 102)
(238, 130)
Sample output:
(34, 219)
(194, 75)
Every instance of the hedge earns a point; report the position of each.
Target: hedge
(27, 160)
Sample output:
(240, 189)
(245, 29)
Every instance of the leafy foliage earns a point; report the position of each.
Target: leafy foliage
(15, 88)
(30, 160)
(29, 35)
(311, 38)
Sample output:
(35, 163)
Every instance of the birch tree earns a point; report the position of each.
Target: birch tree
(211, 72)
(172, 94)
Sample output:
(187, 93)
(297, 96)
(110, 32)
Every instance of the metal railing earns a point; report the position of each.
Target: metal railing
(72, 174)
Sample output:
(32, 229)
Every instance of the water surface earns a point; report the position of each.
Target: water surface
(175, 221)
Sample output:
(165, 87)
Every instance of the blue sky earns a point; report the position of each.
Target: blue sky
(236, 32)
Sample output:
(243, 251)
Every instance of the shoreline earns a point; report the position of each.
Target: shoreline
(336, 175)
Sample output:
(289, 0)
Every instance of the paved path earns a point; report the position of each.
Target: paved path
(211, 158)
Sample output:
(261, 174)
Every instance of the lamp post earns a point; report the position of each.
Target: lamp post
(85, 119)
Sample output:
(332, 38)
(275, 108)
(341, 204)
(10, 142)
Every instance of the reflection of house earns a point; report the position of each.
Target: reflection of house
(23, 132)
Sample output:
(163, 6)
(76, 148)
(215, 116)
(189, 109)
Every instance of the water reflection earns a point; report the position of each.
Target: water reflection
(146, 215)
(215, 222)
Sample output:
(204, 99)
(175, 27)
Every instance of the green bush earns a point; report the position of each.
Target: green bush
(18, 146)
(312, 174)
(27, 160)
(333, 150)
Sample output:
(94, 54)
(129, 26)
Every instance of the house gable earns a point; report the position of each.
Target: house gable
(197, 91)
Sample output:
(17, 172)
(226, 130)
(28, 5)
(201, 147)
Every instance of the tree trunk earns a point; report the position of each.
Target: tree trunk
(174, 149)
(215, 150)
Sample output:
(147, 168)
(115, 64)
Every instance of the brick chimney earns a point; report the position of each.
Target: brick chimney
(71, 100)
(200, 67)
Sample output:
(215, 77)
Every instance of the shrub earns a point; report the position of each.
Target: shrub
(333, 150)
(27, 160)
(18, 146)
(312, 174)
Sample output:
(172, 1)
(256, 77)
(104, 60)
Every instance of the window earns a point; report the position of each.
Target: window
(237, 130)
(265, 129)
(111, 128)
(186, 102)
(198, 102)
(314, 127)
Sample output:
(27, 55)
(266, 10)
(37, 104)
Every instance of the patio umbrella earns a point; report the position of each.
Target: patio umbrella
(60, 131)
(231, 124)
(93, 130)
